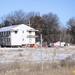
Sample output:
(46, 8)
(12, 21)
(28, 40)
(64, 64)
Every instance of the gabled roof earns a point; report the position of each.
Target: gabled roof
(10, 28)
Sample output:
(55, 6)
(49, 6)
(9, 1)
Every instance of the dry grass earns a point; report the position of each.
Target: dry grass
(31, 68)
(20, 67)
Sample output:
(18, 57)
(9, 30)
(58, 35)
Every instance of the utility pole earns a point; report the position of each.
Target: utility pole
(29, 23)
(30, 40)
(60, 38)
(41, 50)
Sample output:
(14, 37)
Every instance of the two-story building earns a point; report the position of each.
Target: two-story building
(17, 35)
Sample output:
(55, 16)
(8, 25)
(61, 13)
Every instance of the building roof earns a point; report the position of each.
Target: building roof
(10, 28)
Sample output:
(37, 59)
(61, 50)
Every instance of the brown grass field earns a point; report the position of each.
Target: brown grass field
(17, 68)
(35, 68)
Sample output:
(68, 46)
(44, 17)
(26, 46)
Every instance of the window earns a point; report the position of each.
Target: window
(15, 32)
(8, 39)
(22, 31)
(8, 32)
(23, 39)
(4, 33)
(4, 39)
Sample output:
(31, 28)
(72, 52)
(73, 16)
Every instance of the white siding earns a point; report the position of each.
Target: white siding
(20, 37)
(15, 38)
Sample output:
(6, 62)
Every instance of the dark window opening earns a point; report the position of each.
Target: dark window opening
(23, 39)
(15, 32)
(22, 31)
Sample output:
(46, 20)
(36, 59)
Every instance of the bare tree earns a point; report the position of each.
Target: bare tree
(37, 22)
(71, 28)
(65, 35)
(51, 27)
(17, 17)
(48, 23)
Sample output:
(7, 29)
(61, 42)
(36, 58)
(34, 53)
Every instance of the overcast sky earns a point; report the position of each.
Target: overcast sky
(65, 9)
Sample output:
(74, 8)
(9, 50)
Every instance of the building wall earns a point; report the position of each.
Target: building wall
(17, 36)
(5, 38)
(20, 38)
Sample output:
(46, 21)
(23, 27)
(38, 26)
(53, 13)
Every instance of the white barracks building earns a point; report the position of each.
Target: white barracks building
(17, 35)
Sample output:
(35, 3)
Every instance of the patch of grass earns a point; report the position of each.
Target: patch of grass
(20, 55)
(31, 68)
(1, 54)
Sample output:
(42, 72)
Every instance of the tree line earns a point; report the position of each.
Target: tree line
(48, 24)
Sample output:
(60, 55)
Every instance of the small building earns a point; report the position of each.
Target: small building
(17, 35)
